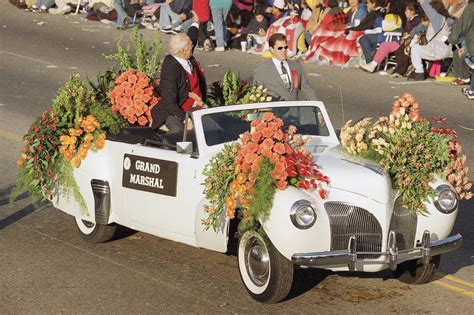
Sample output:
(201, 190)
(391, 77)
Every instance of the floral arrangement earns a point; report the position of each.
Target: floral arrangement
(133, 97)
(245, 175)
(232, 90)
(410, 150)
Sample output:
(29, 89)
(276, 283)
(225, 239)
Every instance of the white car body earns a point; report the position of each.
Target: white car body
(359, 190)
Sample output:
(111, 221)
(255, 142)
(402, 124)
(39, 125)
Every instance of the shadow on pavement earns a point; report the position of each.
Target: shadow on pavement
(20, 214)
(305, 280)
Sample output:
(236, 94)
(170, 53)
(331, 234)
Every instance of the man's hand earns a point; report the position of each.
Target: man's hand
(183, 16)
(197, 100)
(461, 52)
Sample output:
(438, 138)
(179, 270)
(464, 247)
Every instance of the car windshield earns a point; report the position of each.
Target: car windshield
(228, 126)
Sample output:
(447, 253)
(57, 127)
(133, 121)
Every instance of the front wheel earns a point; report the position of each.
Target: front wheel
(93, 232)
(266, 274)
(414, 272)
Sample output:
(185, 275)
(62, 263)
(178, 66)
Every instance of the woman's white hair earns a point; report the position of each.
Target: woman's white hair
(177, 43)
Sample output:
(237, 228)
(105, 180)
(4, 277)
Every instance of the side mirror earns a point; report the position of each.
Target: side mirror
(185, 147)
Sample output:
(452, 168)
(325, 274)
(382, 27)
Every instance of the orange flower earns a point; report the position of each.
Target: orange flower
(86, 146)
(268, 116)
(244, 202)
(88, 137)
(241, 178)
(250, 158)
(241, 189)
(153, 101)
(230, 213)
(82, 153)
(267, 132)
(76, 162)
(99, 144)
(267, 144)
(101, 136)
(281, 184)
(251, 147)
(246, 137)
(278, 135)
(132, 78)
(254, 123)
(291, 129)
(252, 178)
(245, 167)
(256, 136)
(62, 149)
(255, 167)
(266, 152)
(20, 161)
(142, 120)
(75, 132)
(279, 148)
(261, 126)
(230, 203)
(132, 119)
(279, 122)
(234, 185)
(67, 155)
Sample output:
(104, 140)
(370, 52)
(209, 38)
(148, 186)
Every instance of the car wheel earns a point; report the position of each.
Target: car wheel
(93, 232)
(414, 272)
(266, 274)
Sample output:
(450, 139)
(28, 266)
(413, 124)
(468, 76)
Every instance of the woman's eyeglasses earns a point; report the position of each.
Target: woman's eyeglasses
(282, 47)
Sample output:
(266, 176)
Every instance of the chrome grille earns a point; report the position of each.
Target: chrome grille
(403, 223)
(347, 220)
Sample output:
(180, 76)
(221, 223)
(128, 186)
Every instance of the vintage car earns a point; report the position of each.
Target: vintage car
(153, 183)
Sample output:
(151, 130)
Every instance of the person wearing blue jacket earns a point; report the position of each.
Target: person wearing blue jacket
(357, 12)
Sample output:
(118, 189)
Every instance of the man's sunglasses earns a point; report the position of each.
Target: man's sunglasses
(282, 47)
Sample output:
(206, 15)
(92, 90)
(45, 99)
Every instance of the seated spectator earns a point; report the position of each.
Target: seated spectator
(277, 11)
(318, 12)
(245, 8)
(416, 25)
(329, 43)
(388, 40)
(172, 15)
(372, 36)
(254, 33)
(62, 7)
(437, 33)
(125, 11)
(41, 6)
(357, 12)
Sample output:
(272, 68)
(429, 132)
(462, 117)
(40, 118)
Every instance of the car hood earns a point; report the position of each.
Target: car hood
(351, 173)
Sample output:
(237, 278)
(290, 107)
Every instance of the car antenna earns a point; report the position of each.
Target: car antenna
(342, 103)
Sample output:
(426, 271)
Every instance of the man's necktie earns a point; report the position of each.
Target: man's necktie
(190, 67)
(284, 72)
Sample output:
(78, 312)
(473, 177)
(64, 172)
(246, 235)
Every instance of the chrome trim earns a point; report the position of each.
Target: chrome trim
(438, 191)
(393, 256)
(295, 207)
(403, 223)
(101, 192)
(348, 220)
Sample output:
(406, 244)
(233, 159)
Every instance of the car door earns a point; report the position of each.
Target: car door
(161, 191)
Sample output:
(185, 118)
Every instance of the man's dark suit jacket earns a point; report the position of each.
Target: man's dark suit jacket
(174, 90)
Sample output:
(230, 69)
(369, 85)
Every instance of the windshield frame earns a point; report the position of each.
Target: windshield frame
(197, 118)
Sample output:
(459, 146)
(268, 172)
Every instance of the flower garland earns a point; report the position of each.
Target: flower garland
(245, 175)
(133, 97)
(410, 151)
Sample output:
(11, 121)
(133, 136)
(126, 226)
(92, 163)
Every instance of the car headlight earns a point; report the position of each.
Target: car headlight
(302, 214)
(446, 199)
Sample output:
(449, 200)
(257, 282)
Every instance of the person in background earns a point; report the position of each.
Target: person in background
(172, 14)
(125, 11)
(202, 12)
(254, 33)
(437, 33)
(182, 84)
(277, 11)
(462, 33)
(357, 12)
(220, 10)
(369, 41)
(284, 79)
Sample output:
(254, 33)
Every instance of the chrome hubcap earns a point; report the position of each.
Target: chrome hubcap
(257, 261)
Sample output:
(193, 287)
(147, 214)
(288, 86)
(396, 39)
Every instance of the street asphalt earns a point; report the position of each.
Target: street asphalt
(45, 267)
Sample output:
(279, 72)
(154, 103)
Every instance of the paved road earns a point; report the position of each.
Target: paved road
(45, 267)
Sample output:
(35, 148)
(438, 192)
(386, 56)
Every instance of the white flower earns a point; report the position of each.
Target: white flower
(392, 118)
(402, 111)
(404, 125)
(391, 130)
(385, 129)
(262, 99)
(397, 123)
(269, 98)
(265, 90)
(252, 98)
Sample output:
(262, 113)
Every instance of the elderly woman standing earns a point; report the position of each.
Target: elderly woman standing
(182, 85)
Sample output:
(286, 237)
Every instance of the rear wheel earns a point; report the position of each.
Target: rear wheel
(266, 274)
(93, 232)
(414, 272)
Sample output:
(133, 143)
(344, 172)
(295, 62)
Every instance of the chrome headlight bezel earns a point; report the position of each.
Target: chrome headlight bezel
(297, 210)
(439, 205)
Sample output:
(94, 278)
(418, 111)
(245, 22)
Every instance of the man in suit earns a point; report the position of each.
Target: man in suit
(182, 85)
(284, 79)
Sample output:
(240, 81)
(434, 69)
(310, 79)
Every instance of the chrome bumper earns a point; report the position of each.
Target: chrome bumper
(393, 256)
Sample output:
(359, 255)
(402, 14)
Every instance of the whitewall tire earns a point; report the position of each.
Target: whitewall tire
(93, 232)
(266, 274)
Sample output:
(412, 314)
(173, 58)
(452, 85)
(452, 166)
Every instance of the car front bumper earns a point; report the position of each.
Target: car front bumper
(393, 256)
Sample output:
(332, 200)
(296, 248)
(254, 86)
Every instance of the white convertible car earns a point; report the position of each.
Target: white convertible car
(153, 183)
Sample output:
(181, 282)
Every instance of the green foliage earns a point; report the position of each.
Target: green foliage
(108, 120)
(219, 173)
(144, 57)
(262, 201)
(105, 84)
(411, 158)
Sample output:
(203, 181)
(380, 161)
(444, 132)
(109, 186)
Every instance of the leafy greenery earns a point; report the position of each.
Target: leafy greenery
(144, 57)
(262, 201)
(105, 83)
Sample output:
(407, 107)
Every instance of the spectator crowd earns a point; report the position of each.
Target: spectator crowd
(416, 38)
